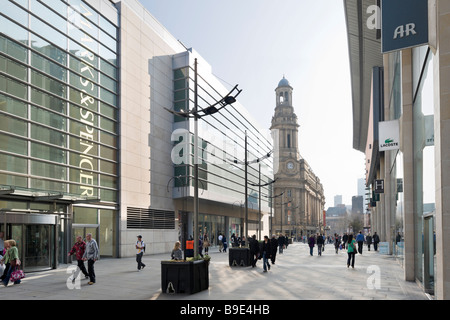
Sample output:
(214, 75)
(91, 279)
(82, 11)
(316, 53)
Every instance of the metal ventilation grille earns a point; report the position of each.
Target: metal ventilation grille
(138, 218)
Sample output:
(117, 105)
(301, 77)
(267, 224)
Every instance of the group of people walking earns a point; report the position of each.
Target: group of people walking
(348, 242)
(267, 249)
(9, 262)
(85, 251)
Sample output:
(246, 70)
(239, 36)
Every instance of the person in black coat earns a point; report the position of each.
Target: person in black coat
(266, 252)
(273, 248)
(254, 250)
(281, 242)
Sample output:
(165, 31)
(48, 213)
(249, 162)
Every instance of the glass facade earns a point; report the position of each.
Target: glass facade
(58, 98)
(58, 112)
(221, 142)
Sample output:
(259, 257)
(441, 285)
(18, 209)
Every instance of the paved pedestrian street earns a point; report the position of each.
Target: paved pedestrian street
(295, 276)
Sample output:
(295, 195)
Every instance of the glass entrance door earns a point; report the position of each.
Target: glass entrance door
(38, 251)
(34, 242)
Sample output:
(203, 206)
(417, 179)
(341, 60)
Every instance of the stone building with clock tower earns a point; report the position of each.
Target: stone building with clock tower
(299, 211)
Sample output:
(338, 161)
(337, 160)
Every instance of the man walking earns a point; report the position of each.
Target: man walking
(360, 240)
(91, 255)
(78, 249)
(273, 248)
(376, 240)
(369, 241)
(140, 247)
(320, 243)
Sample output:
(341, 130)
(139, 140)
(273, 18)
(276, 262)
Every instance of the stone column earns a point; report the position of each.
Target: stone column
(406, 137)
(442, 145)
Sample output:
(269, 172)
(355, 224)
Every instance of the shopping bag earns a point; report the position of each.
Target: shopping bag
(17, 274)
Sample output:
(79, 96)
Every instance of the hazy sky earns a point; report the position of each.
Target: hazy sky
(254, 43)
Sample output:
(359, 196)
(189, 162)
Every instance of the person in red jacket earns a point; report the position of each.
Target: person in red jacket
(78, 249)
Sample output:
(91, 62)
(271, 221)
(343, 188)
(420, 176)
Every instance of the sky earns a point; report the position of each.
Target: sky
(254, 43)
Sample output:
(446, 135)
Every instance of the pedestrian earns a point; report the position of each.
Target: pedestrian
(344, 240)
(91, 255)
(266, 251)
(220, 242)
(369, 241)
(140, 247)
(11, 261)
(311, 243)
(233, 241)
(254, 250)
(2, 243)
(376, 240)
(177, 253)
(281, 243)
(273, 248)
(242, 243)
(360, 240)
(200, 246)
(206, 243)
(225, 244)
(337, 242)
(4, 261)
(319, 244)
(351, 250)
(78, 249)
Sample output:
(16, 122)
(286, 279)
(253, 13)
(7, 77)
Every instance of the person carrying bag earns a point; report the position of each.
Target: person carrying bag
(12, 256)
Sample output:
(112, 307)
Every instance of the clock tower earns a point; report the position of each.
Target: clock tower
(285, 129)
(299, 211)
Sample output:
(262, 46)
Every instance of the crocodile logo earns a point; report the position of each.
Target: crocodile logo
(389, 140)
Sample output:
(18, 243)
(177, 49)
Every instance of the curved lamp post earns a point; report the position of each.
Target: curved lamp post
(197, 113)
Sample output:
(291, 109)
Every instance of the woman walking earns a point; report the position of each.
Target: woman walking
(351, 251)
(12, 261)
(206, 243)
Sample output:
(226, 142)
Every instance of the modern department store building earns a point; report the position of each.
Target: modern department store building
(400, 73)
(87, 146)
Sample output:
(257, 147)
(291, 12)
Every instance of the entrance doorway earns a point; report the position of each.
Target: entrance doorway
(35, 239)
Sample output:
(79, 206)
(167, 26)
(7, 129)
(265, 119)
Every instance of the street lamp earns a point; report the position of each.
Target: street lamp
(246, 163)
(197, 114)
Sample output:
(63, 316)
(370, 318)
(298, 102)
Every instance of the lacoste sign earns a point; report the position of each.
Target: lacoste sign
(389, 135)
(388, 143)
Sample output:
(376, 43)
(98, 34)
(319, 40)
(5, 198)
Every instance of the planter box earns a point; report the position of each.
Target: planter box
(184, 277)
(239, 257)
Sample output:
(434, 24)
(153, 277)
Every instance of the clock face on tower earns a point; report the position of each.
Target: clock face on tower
(290, 165)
